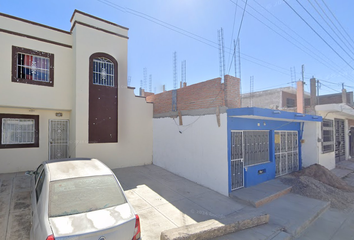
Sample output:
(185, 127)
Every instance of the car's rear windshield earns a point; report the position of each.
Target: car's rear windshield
(80, 195)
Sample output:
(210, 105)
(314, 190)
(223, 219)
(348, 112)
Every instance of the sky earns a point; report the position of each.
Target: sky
(277, 38)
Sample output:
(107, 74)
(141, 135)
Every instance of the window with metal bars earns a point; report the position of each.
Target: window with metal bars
(19, 130)
(103, 72)
(32, 67)
(327, 136)
(256, 147)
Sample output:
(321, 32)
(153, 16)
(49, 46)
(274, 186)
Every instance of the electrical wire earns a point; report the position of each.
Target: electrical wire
(185, 33)
(306, 52)
(289, 28)
(318, 34)
(337, 20)
(238, 34)
(333, 24)
(233, 28)
(324, 30)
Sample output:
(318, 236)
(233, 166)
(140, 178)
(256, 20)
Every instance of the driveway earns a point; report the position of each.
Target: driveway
(162, 199)
(15, 206)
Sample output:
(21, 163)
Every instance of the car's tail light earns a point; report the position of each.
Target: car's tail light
(137, 231)
(50, 237)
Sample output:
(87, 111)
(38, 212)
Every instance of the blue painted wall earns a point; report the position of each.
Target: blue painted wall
(251, 175)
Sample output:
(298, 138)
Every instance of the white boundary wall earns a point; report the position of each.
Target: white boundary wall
(199, 153)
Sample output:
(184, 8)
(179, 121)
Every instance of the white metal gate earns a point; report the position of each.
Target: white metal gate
(237, 178)
(339, 140)
(58, 139)
(286, 152)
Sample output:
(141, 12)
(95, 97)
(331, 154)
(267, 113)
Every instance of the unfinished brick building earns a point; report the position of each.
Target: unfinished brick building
(208, 97)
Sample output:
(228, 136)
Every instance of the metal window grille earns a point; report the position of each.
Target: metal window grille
(33, 67)
(327, 136)
(256, 147)
(237, 178)
(17, 131)
(286, 152)
(103, 72)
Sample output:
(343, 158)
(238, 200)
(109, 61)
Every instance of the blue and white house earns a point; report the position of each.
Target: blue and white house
(237, 148)
(264, 144)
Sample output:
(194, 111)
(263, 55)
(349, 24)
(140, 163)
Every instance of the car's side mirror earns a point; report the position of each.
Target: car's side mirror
(29, 173)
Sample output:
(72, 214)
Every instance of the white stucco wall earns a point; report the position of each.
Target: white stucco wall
(198, 154)
(134, 145)
(310, 148)
(14, 94)
(328, 159)
(70, 93)
(22, 159)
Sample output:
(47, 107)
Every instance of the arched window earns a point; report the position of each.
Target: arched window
(103, 99)
(103, 72)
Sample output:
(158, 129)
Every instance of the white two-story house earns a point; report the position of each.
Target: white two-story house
(65, 94)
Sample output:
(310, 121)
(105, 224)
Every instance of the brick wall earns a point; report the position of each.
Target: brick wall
(203, 95)
(285, 96)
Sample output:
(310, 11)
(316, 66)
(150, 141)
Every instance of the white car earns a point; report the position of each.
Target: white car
(77, 199)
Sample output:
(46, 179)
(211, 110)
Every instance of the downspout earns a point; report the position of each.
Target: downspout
(300, 144)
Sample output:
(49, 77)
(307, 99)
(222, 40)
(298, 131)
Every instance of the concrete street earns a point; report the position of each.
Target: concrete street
(164, 201)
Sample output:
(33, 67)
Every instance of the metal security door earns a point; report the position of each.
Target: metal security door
(339, 140)
(237, 180)
(58, 139)
(286, 152)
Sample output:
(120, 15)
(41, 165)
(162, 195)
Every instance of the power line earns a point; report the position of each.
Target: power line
(239, 29)
(282, 22)
(318, 34)
(116, 6)
(333, 24)
(319, 59)
(337, 20)
(306, 52)
(233, 28)
(324, 29)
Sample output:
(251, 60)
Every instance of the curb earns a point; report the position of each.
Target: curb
(215, 228)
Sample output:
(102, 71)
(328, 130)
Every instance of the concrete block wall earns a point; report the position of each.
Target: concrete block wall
(203, 95)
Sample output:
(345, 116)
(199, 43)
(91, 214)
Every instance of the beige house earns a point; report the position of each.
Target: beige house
(65, 94)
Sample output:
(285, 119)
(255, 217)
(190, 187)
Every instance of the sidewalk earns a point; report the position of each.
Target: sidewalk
(334, 224)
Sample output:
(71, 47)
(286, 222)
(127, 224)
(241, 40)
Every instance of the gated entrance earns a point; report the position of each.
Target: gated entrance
(58, 139)
(339, 140)
(286, 152)
(237, 180)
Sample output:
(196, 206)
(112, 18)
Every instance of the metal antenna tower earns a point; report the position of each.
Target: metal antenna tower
(303, 72)
(129, 80)
(220, 57)
(145, 79)
(251, 90)
(150, 83)
(175, 70)
(223, 54)
(183, 71)
(141, 84)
